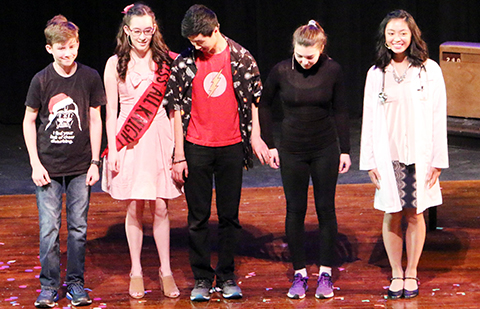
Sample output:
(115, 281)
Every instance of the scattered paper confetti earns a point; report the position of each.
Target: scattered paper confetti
(97, 299)
(37, 267)
(266, 300)
(456, 284)
(379, 305)
(460, 293)
(365, 300)
(11, 262)
(339, 298)
(385, 287)
(341, 269)
(439, 228)
(268, 289)
(11, 279)
(28, 270)
(436, 289)
(22, 286)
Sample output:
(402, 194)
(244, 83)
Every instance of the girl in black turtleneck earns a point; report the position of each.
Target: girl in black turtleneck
(314, 142)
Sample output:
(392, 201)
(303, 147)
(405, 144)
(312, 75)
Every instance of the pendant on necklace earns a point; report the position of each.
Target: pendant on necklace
(400, 79)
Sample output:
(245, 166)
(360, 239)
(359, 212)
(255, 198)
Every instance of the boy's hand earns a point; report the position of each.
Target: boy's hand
(40, 176)
(93, 175)
(260, 149)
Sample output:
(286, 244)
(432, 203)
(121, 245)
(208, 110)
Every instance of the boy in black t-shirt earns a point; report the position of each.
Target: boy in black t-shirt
(64, 154)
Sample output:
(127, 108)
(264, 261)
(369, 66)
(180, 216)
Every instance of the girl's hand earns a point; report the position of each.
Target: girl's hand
(345, 163)
(375, 177)
(274, 158)
(432, 176)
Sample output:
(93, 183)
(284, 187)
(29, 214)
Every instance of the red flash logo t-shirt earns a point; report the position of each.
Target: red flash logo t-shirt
(214, 117)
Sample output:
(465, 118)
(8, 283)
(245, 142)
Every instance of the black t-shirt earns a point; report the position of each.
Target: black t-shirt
(314, 106)
(63, 103)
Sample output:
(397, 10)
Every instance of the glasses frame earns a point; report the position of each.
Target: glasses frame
(136, 32)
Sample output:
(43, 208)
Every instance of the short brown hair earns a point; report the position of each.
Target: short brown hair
(60, 30)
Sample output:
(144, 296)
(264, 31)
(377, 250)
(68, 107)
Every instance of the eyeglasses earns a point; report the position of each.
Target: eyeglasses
(147, 31)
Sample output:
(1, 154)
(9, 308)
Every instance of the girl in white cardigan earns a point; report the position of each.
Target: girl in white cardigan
(404, 141)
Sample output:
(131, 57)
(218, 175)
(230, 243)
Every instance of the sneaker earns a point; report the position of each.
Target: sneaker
(229, 289)
(46, 299)
(202, 290)
(299, 287)
(77, 294)
(325, 286)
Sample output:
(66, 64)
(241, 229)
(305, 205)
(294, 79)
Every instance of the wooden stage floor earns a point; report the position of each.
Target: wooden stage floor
(449, 268)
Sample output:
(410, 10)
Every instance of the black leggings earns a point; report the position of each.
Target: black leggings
(296, 169)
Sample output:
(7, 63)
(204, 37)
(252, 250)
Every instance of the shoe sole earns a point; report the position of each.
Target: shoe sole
(79, 303)
(43, 305)
(321, 296)
(199, 297)
(296, 296)
(40, 305)
(233, 296)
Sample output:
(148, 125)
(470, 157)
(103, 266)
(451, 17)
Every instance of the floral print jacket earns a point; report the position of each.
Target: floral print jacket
(246, 82)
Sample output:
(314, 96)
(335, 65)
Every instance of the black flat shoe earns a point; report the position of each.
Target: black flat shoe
(395, 294)
(411, 294)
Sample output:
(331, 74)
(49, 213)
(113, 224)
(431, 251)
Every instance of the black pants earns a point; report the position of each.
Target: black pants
(296, 169)
(225, 166)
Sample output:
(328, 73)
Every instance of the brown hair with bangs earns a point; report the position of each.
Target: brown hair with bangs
(60, 30)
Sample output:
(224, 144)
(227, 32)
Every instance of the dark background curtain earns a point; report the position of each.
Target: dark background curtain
(264, 27)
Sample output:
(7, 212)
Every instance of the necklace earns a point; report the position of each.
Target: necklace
(400, 79)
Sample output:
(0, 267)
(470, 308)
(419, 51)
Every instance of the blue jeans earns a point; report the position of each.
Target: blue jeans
(224, 165)
(49, 204)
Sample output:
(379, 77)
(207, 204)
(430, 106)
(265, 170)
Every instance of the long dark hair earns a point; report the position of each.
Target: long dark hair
(417, 52)
(157, 45)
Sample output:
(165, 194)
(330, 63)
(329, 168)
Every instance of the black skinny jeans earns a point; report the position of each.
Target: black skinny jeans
(225, 165)
(296, 169)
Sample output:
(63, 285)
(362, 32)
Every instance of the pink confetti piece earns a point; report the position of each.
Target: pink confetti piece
(29, 270)
(460, 293)
(2, 243)
(341, 269)
(456, 284)
(268, 289)
(22, 286)
(339, 298)
(37, 267)
(37, 276)
(11, 261)
(11, 279)
(97, 299)
(385, 287)
(38, 291)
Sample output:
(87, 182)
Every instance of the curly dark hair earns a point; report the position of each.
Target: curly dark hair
(417, 52)
(160, 50)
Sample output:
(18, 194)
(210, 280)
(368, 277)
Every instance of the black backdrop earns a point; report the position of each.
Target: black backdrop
(263, 26)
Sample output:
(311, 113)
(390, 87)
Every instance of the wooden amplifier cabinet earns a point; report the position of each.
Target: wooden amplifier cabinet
(460, 63)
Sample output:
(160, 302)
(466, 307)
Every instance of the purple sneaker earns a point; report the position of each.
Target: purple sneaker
(325, 286)
(299, 287)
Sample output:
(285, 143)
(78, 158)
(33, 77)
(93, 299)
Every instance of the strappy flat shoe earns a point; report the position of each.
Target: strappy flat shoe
(136, 289)
(395, 294)
(168, 286)
(410, 294)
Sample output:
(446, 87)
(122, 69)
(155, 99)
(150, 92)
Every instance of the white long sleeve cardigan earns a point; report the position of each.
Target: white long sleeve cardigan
(430, 119)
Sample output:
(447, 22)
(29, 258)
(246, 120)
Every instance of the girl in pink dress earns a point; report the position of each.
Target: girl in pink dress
(140, 170)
